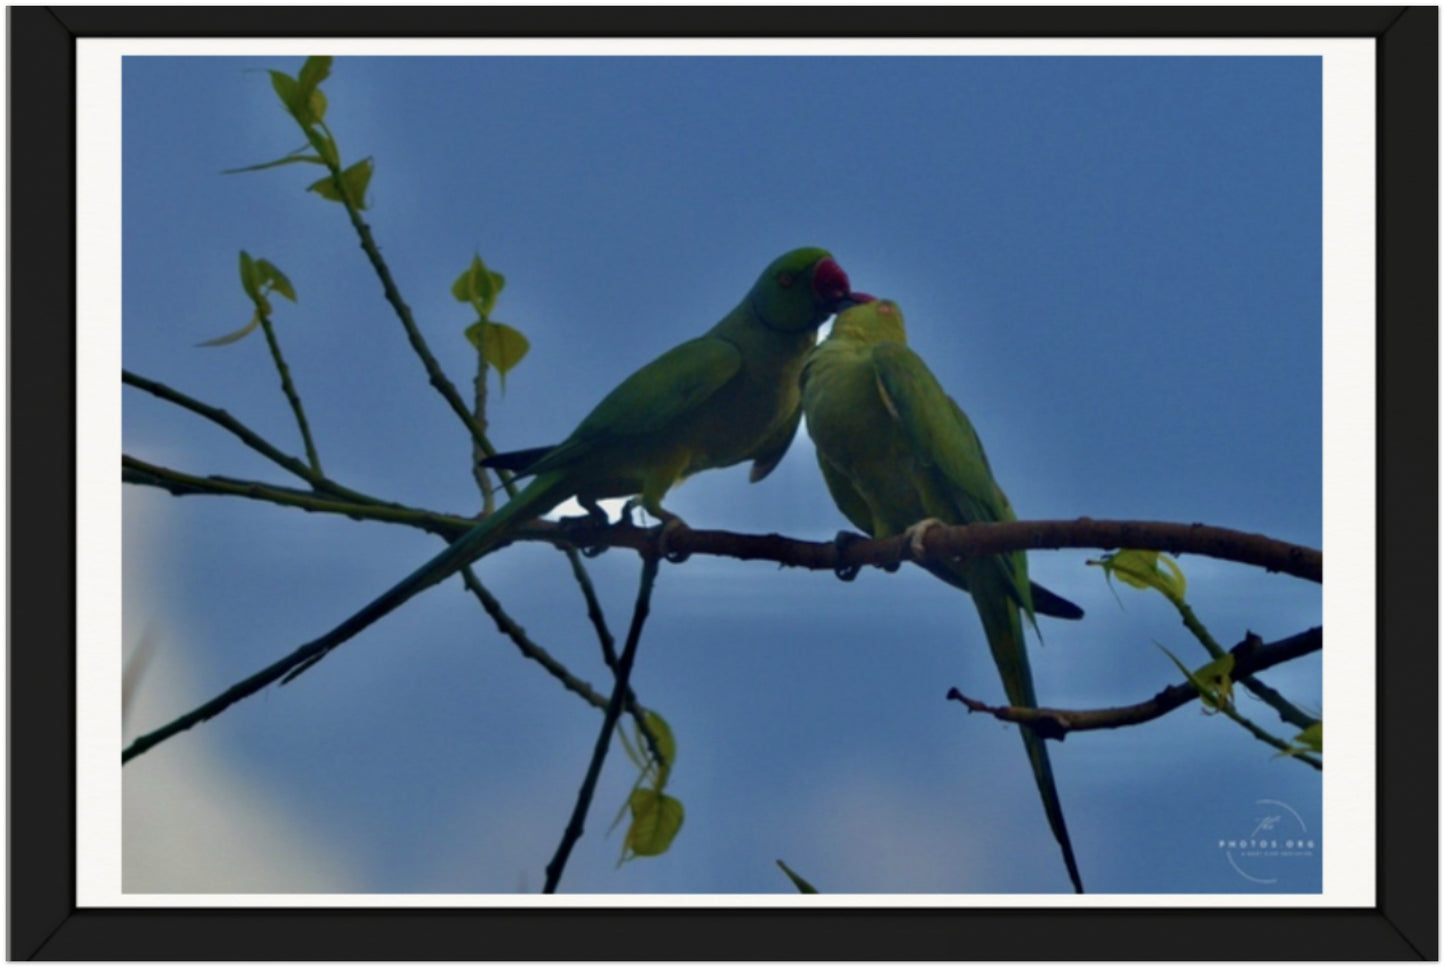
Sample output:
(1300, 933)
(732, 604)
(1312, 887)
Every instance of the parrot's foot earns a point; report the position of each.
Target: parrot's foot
(916, 534)
(598, 521)
(841, 541)
(671, 526)
(595, 515)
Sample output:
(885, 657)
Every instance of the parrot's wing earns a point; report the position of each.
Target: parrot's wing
(665, 391)
(944, 442)
(938, 433)
(772, 450)
(849, 501)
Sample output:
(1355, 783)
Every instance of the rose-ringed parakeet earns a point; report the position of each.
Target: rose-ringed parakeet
(727, 396)
(895, 451)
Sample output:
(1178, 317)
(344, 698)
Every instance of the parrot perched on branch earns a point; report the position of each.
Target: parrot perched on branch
(727, 396)
(899, 455)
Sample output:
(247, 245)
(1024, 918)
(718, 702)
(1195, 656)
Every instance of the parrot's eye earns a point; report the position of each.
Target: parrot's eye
(785, 279)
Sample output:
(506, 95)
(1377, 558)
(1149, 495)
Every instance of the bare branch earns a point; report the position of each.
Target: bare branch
(221, 418)
(609, 722)
(531, 650)
(1250, 656)
(940, 541)
(448, 526)
(289, 389)
(944, 541)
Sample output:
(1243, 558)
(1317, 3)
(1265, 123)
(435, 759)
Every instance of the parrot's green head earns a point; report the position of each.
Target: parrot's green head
(871, 321)
(800, 290)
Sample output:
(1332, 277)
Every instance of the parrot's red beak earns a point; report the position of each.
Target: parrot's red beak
(853, 299)
(830, 283)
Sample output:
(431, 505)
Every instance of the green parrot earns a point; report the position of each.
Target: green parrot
(899, 455)
(727, 396)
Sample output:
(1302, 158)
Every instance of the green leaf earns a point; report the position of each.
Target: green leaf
(1141, 569)
(290, 159)
(666, 744)
(288, 91)
(1212, 680)
(803, 886)
(250, 276)
(656, 819)
(1310, 740)
(232, 337)
(355, 178)
(326, 188)
(313, 72)
(479, 286)
(275, 278)
(1313, 737)
(325, 146)
(316, 102)
(500, 345)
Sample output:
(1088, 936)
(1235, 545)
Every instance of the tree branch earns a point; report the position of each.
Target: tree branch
(971, 539)
(248, 437)
(1250, 656)
(221, 418)
(531, 650)
(609, 722)
(1287, 710)
(944, 541)
(448, 526)
(289, 389)
(940, 541)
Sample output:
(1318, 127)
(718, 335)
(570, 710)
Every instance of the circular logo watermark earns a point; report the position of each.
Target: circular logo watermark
(1277, 840)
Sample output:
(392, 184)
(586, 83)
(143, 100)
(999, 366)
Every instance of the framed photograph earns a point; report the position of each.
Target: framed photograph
(622, 483)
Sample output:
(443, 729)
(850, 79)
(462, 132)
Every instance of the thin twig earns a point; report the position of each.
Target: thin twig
(525, 645)
(247, 436)
(609, 722)
(449, 526)
(1250, 656)
(288, 388)
(434, 372)
(1287, 710)
(221, 418)
(479, 417)
(531, 650)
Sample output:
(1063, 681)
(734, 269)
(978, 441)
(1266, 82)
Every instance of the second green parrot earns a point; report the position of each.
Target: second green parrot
(896, 451)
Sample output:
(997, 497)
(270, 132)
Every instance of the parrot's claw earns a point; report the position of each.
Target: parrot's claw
(593, 524)
(671, 526)
(596, 517)
(917, 532)
(841, 541)
(631, 505)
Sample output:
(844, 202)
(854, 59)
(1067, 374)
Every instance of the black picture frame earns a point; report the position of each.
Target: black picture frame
(45, 922)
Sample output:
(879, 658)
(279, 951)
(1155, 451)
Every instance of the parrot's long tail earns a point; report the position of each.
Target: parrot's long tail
(1003, 626)
(539, 497)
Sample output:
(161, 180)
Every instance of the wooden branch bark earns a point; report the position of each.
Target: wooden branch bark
(1250, 656)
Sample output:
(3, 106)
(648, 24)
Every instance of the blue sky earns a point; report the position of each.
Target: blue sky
(1112, 264)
